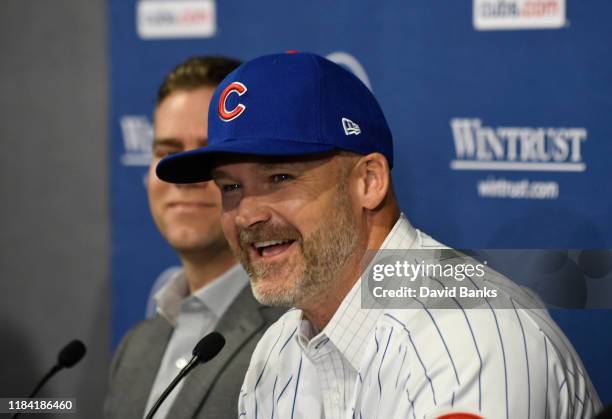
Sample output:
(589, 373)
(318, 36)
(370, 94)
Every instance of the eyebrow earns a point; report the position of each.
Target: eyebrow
(264, 166)
(216, 173)
(166, 141)
(275, 165)
(175, 142)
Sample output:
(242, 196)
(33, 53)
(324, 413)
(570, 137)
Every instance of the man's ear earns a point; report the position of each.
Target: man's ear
(374, 180)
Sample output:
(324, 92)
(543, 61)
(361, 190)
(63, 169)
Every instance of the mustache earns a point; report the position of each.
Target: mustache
(258, 233)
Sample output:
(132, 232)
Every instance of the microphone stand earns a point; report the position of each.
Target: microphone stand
(191, 365)
(41, 383)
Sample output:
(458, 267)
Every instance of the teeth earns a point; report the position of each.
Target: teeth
(259, 245)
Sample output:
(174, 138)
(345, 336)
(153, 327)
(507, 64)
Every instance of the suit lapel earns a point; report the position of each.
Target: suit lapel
(141, 375)
(241, 320)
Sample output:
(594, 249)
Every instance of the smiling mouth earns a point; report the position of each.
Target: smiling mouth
(270, 248)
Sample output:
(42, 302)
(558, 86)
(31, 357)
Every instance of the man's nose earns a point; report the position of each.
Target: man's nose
(252, 210)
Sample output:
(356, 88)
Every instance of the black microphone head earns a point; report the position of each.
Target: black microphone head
(71, 354)
(605, 414)
(209, 346)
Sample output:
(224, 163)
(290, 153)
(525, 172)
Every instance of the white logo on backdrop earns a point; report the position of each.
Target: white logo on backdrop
(346, 59)
(137, 133)
(518, 14)
(479, 147)
(157, 19)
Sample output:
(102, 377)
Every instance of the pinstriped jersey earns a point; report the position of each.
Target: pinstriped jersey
(485, 362)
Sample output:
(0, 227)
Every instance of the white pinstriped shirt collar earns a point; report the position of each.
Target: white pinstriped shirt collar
(351, 325)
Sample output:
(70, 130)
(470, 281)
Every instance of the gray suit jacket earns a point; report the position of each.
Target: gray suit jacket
(212, 389)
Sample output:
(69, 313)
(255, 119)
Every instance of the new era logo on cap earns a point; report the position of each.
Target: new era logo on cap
(350, 128)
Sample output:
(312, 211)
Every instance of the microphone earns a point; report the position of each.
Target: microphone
(605, 413)
(67, 358)
(206, 349)
(71, 354)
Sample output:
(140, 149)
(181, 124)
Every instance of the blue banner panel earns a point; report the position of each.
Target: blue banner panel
(499, 110)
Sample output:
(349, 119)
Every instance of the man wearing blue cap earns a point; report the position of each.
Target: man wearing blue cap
(302, 154)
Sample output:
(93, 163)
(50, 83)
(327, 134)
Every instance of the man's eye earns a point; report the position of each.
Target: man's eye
(231, 187)
(281, 177)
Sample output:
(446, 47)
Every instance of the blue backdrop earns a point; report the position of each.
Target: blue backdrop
(502, 136)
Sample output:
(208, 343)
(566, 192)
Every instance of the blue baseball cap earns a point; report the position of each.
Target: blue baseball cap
(289, 104)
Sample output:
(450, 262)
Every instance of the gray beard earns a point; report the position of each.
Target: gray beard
(324, 254)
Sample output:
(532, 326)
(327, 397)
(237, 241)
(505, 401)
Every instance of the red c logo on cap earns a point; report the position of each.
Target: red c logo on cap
(224, 114)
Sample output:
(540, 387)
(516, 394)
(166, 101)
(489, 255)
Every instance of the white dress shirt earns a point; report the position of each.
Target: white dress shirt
(418, 363)
(192, 317)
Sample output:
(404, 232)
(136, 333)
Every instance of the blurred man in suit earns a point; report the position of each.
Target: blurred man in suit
(210, 292)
